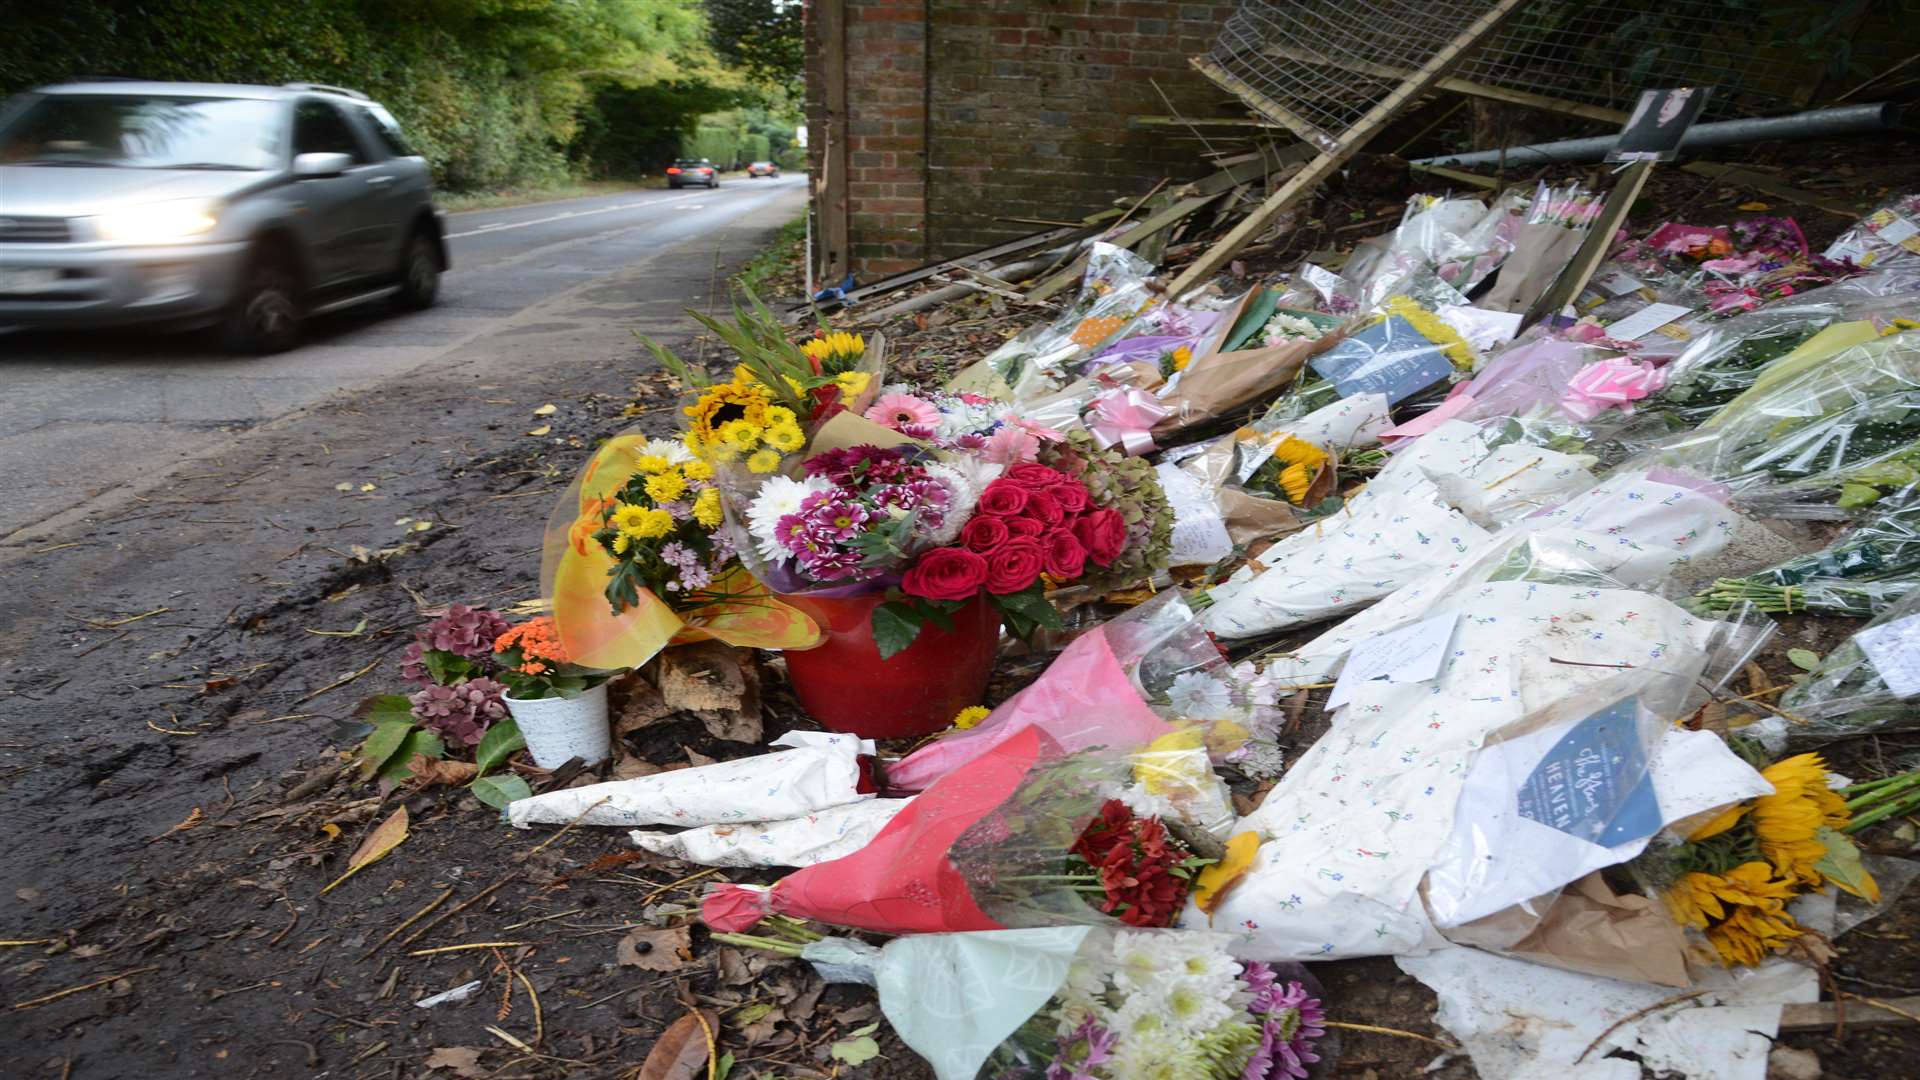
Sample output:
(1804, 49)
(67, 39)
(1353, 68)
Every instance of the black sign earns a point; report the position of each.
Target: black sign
(1659, 122)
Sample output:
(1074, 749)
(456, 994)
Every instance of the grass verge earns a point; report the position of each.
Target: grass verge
(777, 268)
(459, 201)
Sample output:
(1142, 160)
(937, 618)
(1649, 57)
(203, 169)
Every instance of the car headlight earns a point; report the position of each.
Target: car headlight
(158, 223)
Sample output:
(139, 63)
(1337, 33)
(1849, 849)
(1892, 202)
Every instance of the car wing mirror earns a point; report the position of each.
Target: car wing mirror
(316, 166)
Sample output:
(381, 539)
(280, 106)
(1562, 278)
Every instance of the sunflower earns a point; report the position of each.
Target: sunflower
(1698, 898)
(1295, 481)
(834, 353)
(1724, 820)
(1788, 822)
(1750, 935)
(721, 404)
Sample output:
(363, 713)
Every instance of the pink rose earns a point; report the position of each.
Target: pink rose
(946, 574)
(1065, 556)
(1024, 526)
(1015, 566)
(1003, 498)
(1103, 533)
(983, 533)
(1071, 495)
(1042, 507)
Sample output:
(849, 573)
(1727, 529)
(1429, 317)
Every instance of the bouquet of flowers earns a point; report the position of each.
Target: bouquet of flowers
(1890, 235)
(1556, 224)
(1860, 574)
(1735, 875)
(534, 665)
(1047, 356)
(1850, 692)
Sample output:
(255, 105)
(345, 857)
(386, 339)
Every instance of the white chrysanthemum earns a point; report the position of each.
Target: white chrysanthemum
(1144, 803)
(1083, 996)
(1197, 695)
(1148, 1050)
(1146, 962)
(673, 450)
(779, 496)
(963, 493)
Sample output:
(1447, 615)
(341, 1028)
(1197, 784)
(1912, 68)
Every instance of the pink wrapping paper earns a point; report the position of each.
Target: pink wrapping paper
(1083, 700)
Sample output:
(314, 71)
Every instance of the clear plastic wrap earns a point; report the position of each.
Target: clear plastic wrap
(1046, 356)
(1866, 685)
(1466, 260)
(1401, 352)
(1557, 220)
(1860, 574)
(1889, 236)
(1432, 230)
(1219, 382)
(1838, 434)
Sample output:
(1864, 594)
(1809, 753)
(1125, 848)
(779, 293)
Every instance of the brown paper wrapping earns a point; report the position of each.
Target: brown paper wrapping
(1249, 517)
(1540, 252)
(1591, 929)
(846, 429)
(1217, 383)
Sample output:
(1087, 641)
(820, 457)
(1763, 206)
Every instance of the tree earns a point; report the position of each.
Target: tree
(765, 38)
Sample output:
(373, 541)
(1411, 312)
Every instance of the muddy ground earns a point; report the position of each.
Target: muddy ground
(181, 671)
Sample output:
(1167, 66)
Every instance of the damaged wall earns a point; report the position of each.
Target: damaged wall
(960, 113)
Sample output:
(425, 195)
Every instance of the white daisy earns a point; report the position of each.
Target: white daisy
(1197, 695)
(778, 497)
(673, 450)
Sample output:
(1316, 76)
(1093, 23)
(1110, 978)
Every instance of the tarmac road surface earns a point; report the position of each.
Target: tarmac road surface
(83, 415)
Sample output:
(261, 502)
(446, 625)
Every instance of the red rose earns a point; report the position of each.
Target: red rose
(1015, 566)
(946, 574)
(1103, 533)
(1024, 526)
(1033, 476)
(1042, 508)
(1003, 498)
(984, 533)
(1066, 558)
(1071, 495)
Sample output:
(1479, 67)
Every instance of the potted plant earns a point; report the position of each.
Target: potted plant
(560, 707)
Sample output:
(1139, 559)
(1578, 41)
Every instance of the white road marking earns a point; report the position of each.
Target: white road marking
(504, 226)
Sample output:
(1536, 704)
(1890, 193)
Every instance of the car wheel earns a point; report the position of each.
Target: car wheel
(419, 273)
(265, 317)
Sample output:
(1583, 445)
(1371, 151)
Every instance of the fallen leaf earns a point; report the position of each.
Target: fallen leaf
(451, 773)
(1213, 882)
(422, 526)
(463, 1060)
(1804, 659)
(858, 1048)
(656, 950)
(378, 842)
(332, 830)
(545, 410)
(541, 430)
(369, 487)
(1754, 206)
(358, 629)
(343, 485)
(695, 757)
(681, 1050)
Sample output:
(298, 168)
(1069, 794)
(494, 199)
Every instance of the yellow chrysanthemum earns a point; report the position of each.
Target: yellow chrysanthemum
(655, 524)
(697, 470)
(785, 438)
(1174, 764)
(854, 383)
(1295, 481)
(627, 517)
(652, 463)
(779, 415)
(621, 542)
(764, 461)
(740, 434)
(970, 716)
(706, 508)
(1750, 935)
(666, 486)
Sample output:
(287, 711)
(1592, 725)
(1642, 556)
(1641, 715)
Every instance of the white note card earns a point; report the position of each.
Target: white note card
(1619, 282)
(1899, 231)
(1894, 649)
(1645, 321)
(1408, 655)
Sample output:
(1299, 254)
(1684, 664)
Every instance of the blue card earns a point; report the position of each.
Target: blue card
(1389, 357)
(1593, 784)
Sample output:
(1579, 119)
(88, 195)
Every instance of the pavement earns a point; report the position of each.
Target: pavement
(89, 415)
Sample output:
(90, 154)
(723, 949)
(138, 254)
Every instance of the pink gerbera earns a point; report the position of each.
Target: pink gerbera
(898, 411)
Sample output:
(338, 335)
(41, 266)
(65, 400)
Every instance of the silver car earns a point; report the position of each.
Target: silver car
(193, 204)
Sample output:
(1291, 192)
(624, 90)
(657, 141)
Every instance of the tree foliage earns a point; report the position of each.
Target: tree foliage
(765, 38)
(494, 92)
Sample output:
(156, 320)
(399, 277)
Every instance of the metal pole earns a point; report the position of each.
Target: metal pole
(1820, 123)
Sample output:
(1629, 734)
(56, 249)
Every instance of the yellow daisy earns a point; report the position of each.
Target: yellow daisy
(651, 464)
(627, 517)
(655, 524)
(785, 438)
(740, 434)
(764, 461)
(970, 716)
(697, 470)
(666, 486)
(780, 414)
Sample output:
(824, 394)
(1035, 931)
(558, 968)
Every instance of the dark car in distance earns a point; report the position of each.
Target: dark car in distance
(692, 171)
(762, 168)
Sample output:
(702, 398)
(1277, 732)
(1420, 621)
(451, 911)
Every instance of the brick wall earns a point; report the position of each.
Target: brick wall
(962, 113)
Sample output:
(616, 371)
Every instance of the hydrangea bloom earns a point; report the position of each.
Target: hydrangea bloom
(462, 713)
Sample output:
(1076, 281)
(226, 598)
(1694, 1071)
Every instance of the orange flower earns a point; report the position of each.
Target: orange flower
(537, 641)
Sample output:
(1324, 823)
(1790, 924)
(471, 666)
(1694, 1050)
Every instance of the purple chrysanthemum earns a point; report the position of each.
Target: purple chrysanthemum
(1080, 1051)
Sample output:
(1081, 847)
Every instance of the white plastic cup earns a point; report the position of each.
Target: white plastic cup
(558, 728)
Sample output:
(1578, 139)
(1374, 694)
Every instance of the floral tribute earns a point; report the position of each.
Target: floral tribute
(534, 664)
(1735, 875)
(662, 529)
(1144, 873)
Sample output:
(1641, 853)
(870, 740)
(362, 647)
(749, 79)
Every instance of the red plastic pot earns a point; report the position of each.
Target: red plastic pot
(843, 683)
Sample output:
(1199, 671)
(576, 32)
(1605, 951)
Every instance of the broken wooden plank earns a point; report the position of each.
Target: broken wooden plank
(1162, 220)
(1458, 86)
(830, 198)
(1818, 1015)
(1460, 175)
(1137, 122)
(1334, 155)
(973, 258)
(1765, 184)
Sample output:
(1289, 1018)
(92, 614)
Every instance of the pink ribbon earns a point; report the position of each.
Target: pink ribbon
(1126, 418)
(1604, 384)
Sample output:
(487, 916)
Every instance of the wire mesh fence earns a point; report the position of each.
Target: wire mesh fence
(1317, 66)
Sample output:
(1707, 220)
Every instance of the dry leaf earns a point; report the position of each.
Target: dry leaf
(369, 487)
(681, 1052)
(1754, 207)
(696, 758)
(656, 950)
(430, 771)
(378, 842)
(545, 410)
(332, 830)
(541, 430)
(343, 485)
(463, 1060)
(422, 526)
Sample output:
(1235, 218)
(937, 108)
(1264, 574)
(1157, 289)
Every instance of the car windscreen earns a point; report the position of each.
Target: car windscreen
(145, 132)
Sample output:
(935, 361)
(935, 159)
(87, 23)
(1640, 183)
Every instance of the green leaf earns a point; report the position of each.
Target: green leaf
(385, 742)
(498, 791)
(859, 1048)
(1252, 319)
(1804, 659)
(418, 741)
(1841, 865)
(382, 708)
(895, 626)
(1030, 605)
(724, 1067)
(497, 745)
(446, 668)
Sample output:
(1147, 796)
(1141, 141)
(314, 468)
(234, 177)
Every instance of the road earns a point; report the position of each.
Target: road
(86, 415)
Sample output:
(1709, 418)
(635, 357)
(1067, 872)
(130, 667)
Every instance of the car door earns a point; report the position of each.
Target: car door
(399, 186)
(333, 211)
